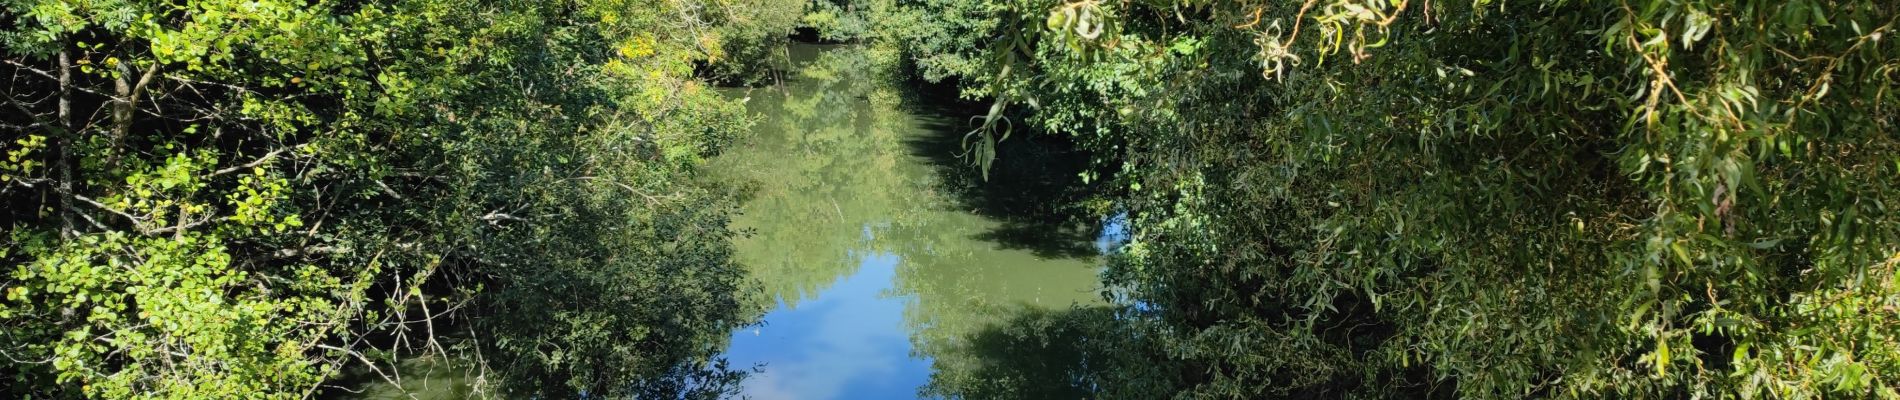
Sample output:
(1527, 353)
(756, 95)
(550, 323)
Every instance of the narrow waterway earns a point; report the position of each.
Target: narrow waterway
(875, 275)
(878, 277)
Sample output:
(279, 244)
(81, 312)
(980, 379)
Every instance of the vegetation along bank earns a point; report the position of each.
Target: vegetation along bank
(1323, 198)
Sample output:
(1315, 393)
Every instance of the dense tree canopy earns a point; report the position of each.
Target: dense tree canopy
(1474, 199)
(220, 199)
(1325, 198)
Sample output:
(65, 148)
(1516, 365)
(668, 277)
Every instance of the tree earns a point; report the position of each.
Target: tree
(1402, 198)
(243, 198)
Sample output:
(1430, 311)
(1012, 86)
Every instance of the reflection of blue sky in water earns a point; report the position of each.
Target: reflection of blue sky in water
(1114, 233)
(847, 342)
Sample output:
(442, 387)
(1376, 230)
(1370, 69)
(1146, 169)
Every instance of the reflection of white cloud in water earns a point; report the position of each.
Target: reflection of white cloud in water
(850, 342)
(841, 355)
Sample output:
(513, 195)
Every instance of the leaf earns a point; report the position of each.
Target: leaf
(1662, 356)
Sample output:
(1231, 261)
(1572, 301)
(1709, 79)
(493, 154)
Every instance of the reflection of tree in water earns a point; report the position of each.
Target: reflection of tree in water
(818, 169)
(836, 175)
(1002, 321)
(1006, 304)
(1036, 353)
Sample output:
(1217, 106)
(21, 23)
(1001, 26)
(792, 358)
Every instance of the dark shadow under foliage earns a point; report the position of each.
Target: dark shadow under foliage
(1033, 188)
(1078, 353)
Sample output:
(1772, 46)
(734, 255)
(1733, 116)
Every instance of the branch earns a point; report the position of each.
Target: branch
(95, 203)
(180, 228)
(188, 82)
(144, 80)
(28, 68)
(21, 128)
(387, 190)
(138, 223)
(651, 199)
(254, 163)
(366, 362)
(50, 76)
(311, 250)
(500, 216)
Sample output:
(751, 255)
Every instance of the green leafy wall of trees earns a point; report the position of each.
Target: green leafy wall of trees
(1494, 199)
(243, 199)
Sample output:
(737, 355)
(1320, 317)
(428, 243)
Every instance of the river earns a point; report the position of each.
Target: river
(876, 275)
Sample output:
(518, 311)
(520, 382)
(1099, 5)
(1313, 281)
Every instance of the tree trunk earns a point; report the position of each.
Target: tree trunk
(67, 140)
(125, 106)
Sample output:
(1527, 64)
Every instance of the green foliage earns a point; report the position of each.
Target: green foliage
(123, 297)
(1394, 199)
(217, 199)
(752, 36)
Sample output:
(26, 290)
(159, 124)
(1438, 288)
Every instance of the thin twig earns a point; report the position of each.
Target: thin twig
(254, 163)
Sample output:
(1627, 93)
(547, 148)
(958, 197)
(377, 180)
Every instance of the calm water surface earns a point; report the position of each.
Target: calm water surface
(875, 278)
(873, 274)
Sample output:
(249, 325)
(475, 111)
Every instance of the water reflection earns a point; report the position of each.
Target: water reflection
(847, 342)
(420, 378)
(875, 275)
